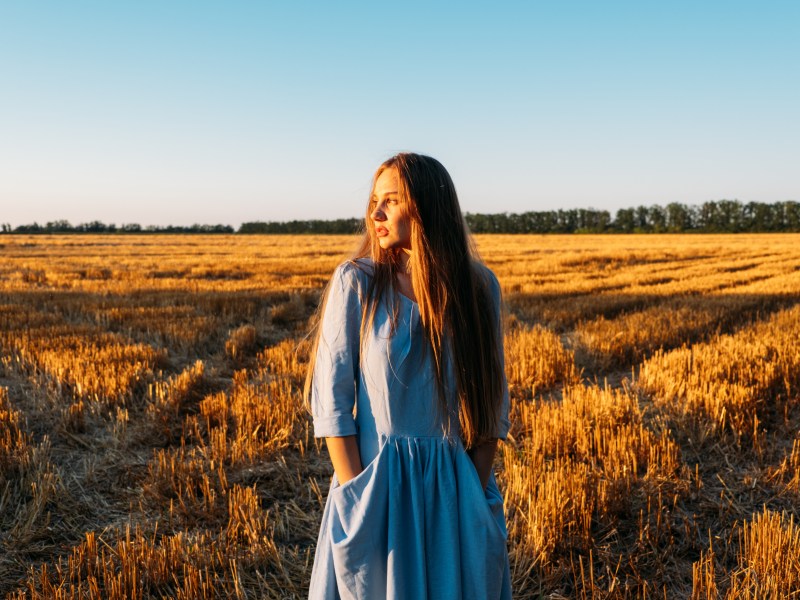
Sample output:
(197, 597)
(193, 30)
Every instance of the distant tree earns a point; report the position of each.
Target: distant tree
(61, 226)
(604, 222)
(592, 220)
(707, 216)
(93, 227)
(679, 217)
(566, 221)
(625, 220)
(585, 221)
(790, 215)
(476, 223)
(657, 218)
(730, 215)
(32, 228)
(642, 220)
(757, 216)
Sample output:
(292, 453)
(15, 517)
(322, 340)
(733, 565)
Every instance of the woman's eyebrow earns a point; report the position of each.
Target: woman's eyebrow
(385, 194)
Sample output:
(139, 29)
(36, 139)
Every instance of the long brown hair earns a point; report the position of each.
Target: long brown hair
(452, 289)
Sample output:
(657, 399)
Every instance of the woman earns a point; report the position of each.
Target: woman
(410, 336)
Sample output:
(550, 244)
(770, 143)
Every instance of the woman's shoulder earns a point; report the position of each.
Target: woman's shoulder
(487, 277)
(353, 276)
(364, 264)
(355, 268)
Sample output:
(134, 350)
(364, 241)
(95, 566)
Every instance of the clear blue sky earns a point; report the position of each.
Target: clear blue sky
(160, 111)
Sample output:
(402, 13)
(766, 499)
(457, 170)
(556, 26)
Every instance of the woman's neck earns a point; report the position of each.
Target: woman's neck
(405, 260)
(403, 275)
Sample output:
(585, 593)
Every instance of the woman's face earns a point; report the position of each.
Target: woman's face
(389, 217)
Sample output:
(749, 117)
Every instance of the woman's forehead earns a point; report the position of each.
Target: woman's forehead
(387, 182)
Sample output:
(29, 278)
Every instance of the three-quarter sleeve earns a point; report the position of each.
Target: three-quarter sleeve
(503, 422)
(333, 385)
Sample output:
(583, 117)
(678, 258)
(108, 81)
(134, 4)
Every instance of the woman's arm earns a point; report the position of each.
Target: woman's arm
(482, 457)
(345, 457)
(333, 389)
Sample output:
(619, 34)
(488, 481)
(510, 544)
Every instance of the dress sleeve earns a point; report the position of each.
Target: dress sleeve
(503, 422)
(333, 385)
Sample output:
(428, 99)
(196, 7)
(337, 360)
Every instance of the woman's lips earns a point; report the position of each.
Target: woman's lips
(381, 231)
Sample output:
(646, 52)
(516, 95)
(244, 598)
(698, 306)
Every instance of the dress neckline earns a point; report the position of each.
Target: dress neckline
(369, 264)
(402, 295)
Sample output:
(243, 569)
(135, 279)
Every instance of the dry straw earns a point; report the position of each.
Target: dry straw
(153, 442)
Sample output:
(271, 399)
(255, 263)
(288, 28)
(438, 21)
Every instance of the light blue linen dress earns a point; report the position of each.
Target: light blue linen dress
(415, 524)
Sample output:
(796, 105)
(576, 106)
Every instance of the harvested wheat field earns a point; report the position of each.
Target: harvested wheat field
(153, 442)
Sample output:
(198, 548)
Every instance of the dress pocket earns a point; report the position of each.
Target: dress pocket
(481, 530)
(358, 527)
(490, 498)
(355, 502)
(354, 481)
(494, 502)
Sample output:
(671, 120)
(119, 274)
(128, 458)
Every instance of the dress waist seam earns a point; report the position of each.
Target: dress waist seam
(403, 436)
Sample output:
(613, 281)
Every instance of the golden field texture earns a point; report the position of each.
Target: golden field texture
(153, 441)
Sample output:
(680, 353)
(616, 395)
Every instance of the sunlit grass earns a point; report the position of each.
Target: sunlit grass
(153, 440)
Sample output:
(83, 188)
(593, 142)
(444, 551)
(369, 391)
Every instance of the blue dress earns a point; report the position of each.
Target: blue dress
(415, 523)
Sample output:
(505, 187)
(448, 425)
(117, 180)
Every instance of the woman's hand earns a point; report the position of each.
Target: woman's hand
(482, 457)
(345, 457)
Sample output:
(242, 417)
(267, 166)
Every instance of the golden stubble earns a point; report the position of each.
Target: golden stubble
(154, 443)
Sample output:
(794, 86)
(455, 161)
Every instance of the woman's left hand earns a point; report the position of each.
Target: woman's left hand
(482, 457)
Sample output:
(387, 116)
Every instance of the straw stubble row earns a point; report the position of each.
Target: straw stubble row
(147, 355)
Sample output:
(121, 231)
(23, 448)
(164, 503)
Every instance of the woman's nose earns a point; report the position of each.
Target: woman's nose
(377, 213)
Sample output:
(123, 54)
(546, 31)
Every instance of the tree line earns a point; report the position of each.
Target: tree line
(721, 216)
(100, 227)
(312, 226)
(717, 216)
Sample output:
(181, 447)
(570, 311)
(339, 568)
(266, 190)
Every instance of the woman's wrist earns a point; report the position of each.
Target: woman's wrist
(345, 457)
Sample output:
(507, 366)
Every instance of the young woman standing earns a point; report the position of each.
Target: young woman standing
(410, 336)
